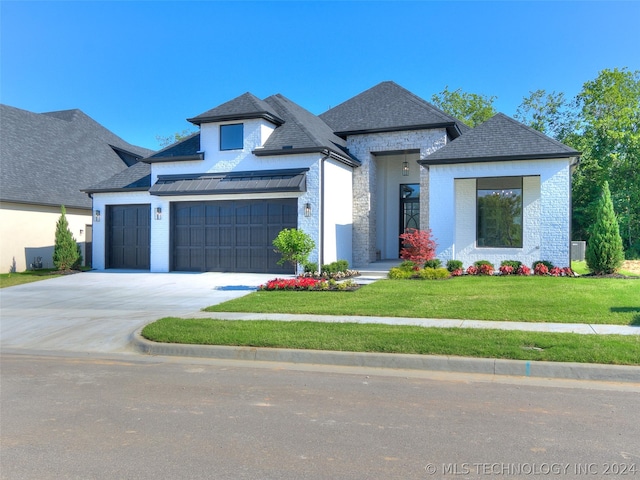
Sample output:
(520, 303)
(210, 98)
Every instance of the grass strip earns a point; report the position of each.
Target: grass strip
(20, 278)
(523, 299)
(354, 337)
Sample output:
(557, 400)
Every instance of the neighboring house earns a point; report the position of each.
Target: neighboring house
(353, 178)
(46, 158)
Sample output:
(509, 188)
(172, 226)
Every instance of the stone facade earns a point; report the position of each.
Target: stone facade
(364, 147)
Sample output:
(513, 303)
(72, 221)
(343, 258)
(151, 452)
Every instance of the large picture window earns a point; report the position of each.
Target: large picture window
(499, 204)
(231, 136)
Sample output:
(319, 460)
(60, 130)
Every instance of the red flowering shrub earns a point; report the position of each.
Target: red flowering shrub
(566, 271)
(506, 270)
(555, 271)
(486, 269)
(523, 270)
(472, 270)
(541, 269)
(299, 283)
(417, 246)
(458, 272)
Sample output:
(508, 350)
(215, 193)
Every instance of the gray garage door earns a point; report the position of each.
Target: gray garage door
(230, 236)
(128, 236)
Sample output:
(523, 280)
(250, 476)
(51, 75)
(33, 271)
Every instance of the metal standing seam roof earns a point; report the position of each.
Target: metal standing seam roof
(286, 180)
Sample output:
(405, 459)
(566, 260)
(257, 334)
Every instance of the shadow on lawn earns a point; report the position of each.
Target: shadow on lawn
(636, 318)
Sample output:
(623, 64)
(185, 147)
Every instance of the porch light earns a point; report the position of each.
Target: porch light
(307, 209)
(405, 169)
(158, 213)
(96, 216)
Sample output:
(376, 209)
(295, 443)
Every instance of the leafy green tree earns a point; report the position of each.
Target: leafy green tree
(609, 139)
(294, 245)
(471, 108)
(66, 253)
(549, 113)
(165, 141)
(604, 253)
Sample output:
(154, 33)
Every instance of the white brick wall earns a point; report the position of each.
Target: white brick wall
(546, 211)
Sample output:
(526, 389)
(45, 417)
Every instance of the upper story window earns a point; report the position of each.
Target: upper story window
(231, 136)
(499, 212)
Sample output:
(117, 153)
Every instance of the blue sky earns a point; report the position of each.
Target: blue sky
(142, 68)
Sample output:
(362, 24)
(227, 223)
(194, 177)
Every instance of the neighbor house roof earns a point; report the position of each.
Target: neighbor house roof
(388, 107)
(46, 158)
(135, 178)
(500, 138)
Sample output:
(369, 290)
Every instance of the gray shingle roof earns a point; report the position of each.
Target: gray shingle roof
(243, 107)
(135, 178)
(500, 138)
(302, 131)
(185, 149)
(48, 158)
(388, 107)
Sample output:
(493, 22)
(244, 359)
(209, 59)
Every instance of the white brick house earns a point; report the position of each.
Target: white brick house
(353, 178)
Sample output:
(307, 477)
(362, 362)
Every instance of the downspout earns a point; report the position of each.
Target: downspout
(575, 161)
(322, 219)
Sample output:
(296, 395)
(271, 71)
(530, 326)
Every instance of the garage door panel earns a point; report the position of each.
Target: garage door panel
(233, 235)
(128, 236)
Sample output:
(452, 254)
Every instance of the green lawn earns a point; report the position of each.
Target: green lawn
(527, 299)
(12, 279)
(558, 347)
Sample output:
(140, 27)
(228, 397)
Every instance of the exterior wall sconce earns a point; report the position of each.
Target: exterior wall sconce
(158, 213)
(307, 209)
(405, 169)
(96, 216)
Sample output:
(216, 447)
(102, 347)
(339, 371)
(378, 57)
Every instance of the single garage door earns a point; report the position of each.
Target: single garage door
(230, 236)
(128, 236)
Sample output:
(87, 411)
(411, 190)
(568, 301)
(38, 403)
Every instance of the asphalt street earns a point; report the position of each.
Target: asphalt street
(104, 417)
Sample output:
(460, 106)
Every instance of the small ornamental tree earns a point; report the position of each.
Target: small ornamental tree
(417, 246)
(66, 254)
(604, 253)
(294, 246)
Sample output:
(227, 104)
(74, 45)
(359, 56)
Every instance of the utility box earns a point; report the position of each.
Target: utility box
(577, 251)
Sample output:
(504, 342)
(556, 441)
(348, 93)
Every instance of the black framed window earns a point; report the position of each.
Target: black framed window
(499, 212)
(231, 136)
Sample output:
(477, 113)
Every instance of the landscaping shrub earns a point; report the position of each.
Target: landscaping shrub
(506, 269)
(523, 270)
(66, 252)
(458, 272)
(408, 265)
(417, 246)
(515, 264)
(335, 267)
(604, 254)
(546, 263)
(310, 267)
(540, 269)
(433, 263)
(484, 267)
(472, 270)
(434, 273)
(453, 265)
(399, 273)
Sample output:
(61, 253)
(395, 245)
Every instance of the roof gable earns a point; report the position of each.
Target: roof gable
(500, 138)
(389, 107)
(302, 131)
(246, 106)
(47, 158)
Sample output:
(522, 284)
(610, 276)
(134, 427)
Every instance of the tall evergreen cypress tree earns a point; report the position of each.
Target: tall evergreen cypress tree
(604, 253)
(66, 253)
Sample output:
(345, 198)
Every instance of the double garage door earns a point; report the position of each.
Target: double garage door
(217, 236)
(230, 236)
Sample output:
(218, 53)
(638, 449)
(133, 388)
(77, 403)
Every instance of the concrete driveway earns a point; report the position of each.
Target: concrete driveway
(98, 311)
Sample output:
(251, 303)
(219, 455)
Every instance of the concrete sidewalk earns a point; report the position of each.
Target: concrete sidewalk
(581, 328)
(488, 366)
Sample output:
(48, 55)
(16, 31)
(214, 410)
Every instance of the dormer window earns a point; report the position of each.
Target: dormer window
(231, 136)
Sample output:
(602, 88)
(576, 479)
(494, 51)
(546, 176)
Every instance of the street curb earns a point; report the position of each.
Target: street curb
(488, 366)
